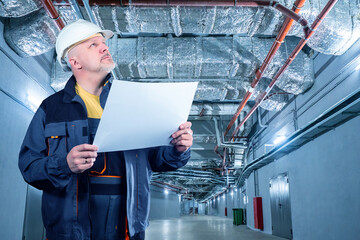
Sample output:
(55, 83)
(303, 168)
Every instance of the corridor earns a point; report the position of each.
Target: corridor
(202, 228)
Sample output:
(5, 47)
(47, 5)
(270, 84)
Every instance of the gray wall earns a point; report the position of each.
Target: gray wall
(231, 199)
(163, 205)
(324, 186)
(324, 173)
(23, 85)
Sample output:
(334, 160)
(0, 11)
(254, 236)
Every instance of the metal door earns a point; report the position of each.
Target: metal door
(280, 206)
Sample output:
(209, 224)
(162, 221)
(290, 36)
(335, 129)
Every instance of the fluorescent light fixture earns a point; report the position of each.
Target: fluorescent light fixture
(279, 139)
(357, 68)
(166, 191)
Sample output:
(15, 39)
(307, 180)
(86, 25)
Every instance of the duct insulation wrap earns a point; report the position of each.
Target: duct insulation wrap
(219, 91)
(225, 66)
(275, 100)
(31, 35)
(339, 30)
(18, 8)
(176, 58)
(58, 77)
(68, 15)
(297, 78)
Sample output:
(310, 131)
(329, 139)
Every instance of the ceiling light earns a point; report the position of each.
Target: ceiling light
(279, 139)
(357, 68)
(166, 191)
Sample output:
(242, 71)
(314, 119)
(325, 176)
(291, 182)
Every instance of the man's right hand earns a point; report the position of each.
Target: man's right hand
(81, 157)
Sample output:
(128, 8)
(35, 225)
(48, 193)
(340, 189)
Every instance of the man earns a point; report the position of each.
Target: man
(87, 195)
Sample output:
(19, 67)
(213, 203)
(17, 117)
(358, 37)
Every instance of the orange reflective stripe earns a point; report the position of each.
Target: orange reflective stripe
(126, 229)
(110, 176)
(102, 171)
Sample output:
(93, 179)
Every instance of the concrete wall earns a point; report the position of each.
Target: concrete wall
(324, 173)
(163, 205)
(24, 83)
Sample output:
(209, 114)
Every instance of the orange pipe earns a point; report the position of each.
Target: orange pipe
(290, 59)
(259, 73)
(53, 14)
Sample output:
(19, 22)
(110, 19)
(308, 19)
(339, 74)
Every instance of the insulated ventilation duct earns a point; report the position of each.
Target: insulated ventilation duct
(339, 30)
(176, 58)
(31, 35)
(275, 100)
(224, 65)
(18, 8)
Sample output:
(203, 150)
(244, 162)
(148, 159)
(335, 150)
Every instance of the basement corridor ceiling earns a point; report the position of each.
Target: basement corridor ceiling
(235, 49)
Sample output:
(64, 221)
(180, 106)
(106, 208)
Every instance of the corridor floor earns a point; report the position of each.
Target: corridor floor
(202, 228)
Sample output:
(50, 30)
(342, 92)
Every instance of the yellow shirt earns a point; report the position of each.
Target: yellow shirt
(92, 102)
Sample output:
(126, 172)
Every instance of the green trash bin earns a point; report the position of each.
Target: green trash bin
(238, 216)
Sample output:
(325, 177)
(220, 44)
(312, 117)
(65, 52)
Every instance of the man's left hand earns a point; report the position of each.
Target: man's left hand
(183, 139)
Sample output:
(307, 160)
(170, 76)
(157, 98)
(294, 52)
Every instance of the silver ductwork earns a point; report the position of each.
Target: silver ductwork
(234, 58)
(31, 35)
(276, 98)
(243, 21)
(225, 66)
(176, 58)
(18, 8)
(339, 30)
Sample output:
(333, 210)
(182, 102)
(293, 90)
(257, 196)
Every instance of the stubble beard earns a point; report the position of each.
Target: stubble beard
(108, 67)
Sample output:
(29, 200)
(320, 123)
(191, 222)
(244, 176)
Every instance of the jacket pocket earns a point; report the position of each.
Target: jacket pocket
(55, 134)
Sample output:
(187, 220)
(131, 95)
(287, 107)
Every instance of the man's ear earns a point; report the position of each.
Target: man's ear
(74, 63)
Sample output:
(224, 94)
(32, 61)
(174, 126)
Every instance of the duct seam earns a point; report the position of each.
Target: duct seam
(210, 20)
(114, 19)
(170, 56)
(95, 12)
(175, 20)
(140, 56)
(198, 58)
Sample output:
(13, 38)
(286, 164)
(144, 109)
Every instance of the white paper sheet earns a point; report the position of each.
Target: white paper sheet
(140, 115)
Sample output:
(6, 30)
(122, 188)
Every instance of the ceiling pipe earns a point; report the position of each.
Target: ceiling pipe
(220, 143)
(167, 188)
(259, 73)
(88, 11)
(53, 14)
(292, 56)
(180, 189)
(259, 120)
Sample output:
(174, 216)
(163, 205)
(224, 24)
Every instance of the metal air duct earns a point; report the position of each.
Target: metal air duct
(31, 35)
(18, 8)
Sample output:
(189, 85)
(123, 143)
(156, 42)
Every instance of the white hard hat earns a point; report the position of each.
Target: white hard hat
(73, 33)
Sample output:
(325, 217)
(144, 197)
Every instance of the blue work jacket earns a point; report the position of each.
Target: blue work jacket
(60, 124)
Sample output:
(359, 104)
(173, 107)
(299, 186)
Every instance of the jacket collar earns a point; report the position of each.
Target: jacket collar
(70, 93)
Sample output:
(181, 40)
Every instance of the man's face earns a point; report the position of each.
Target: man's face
(93, 55)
